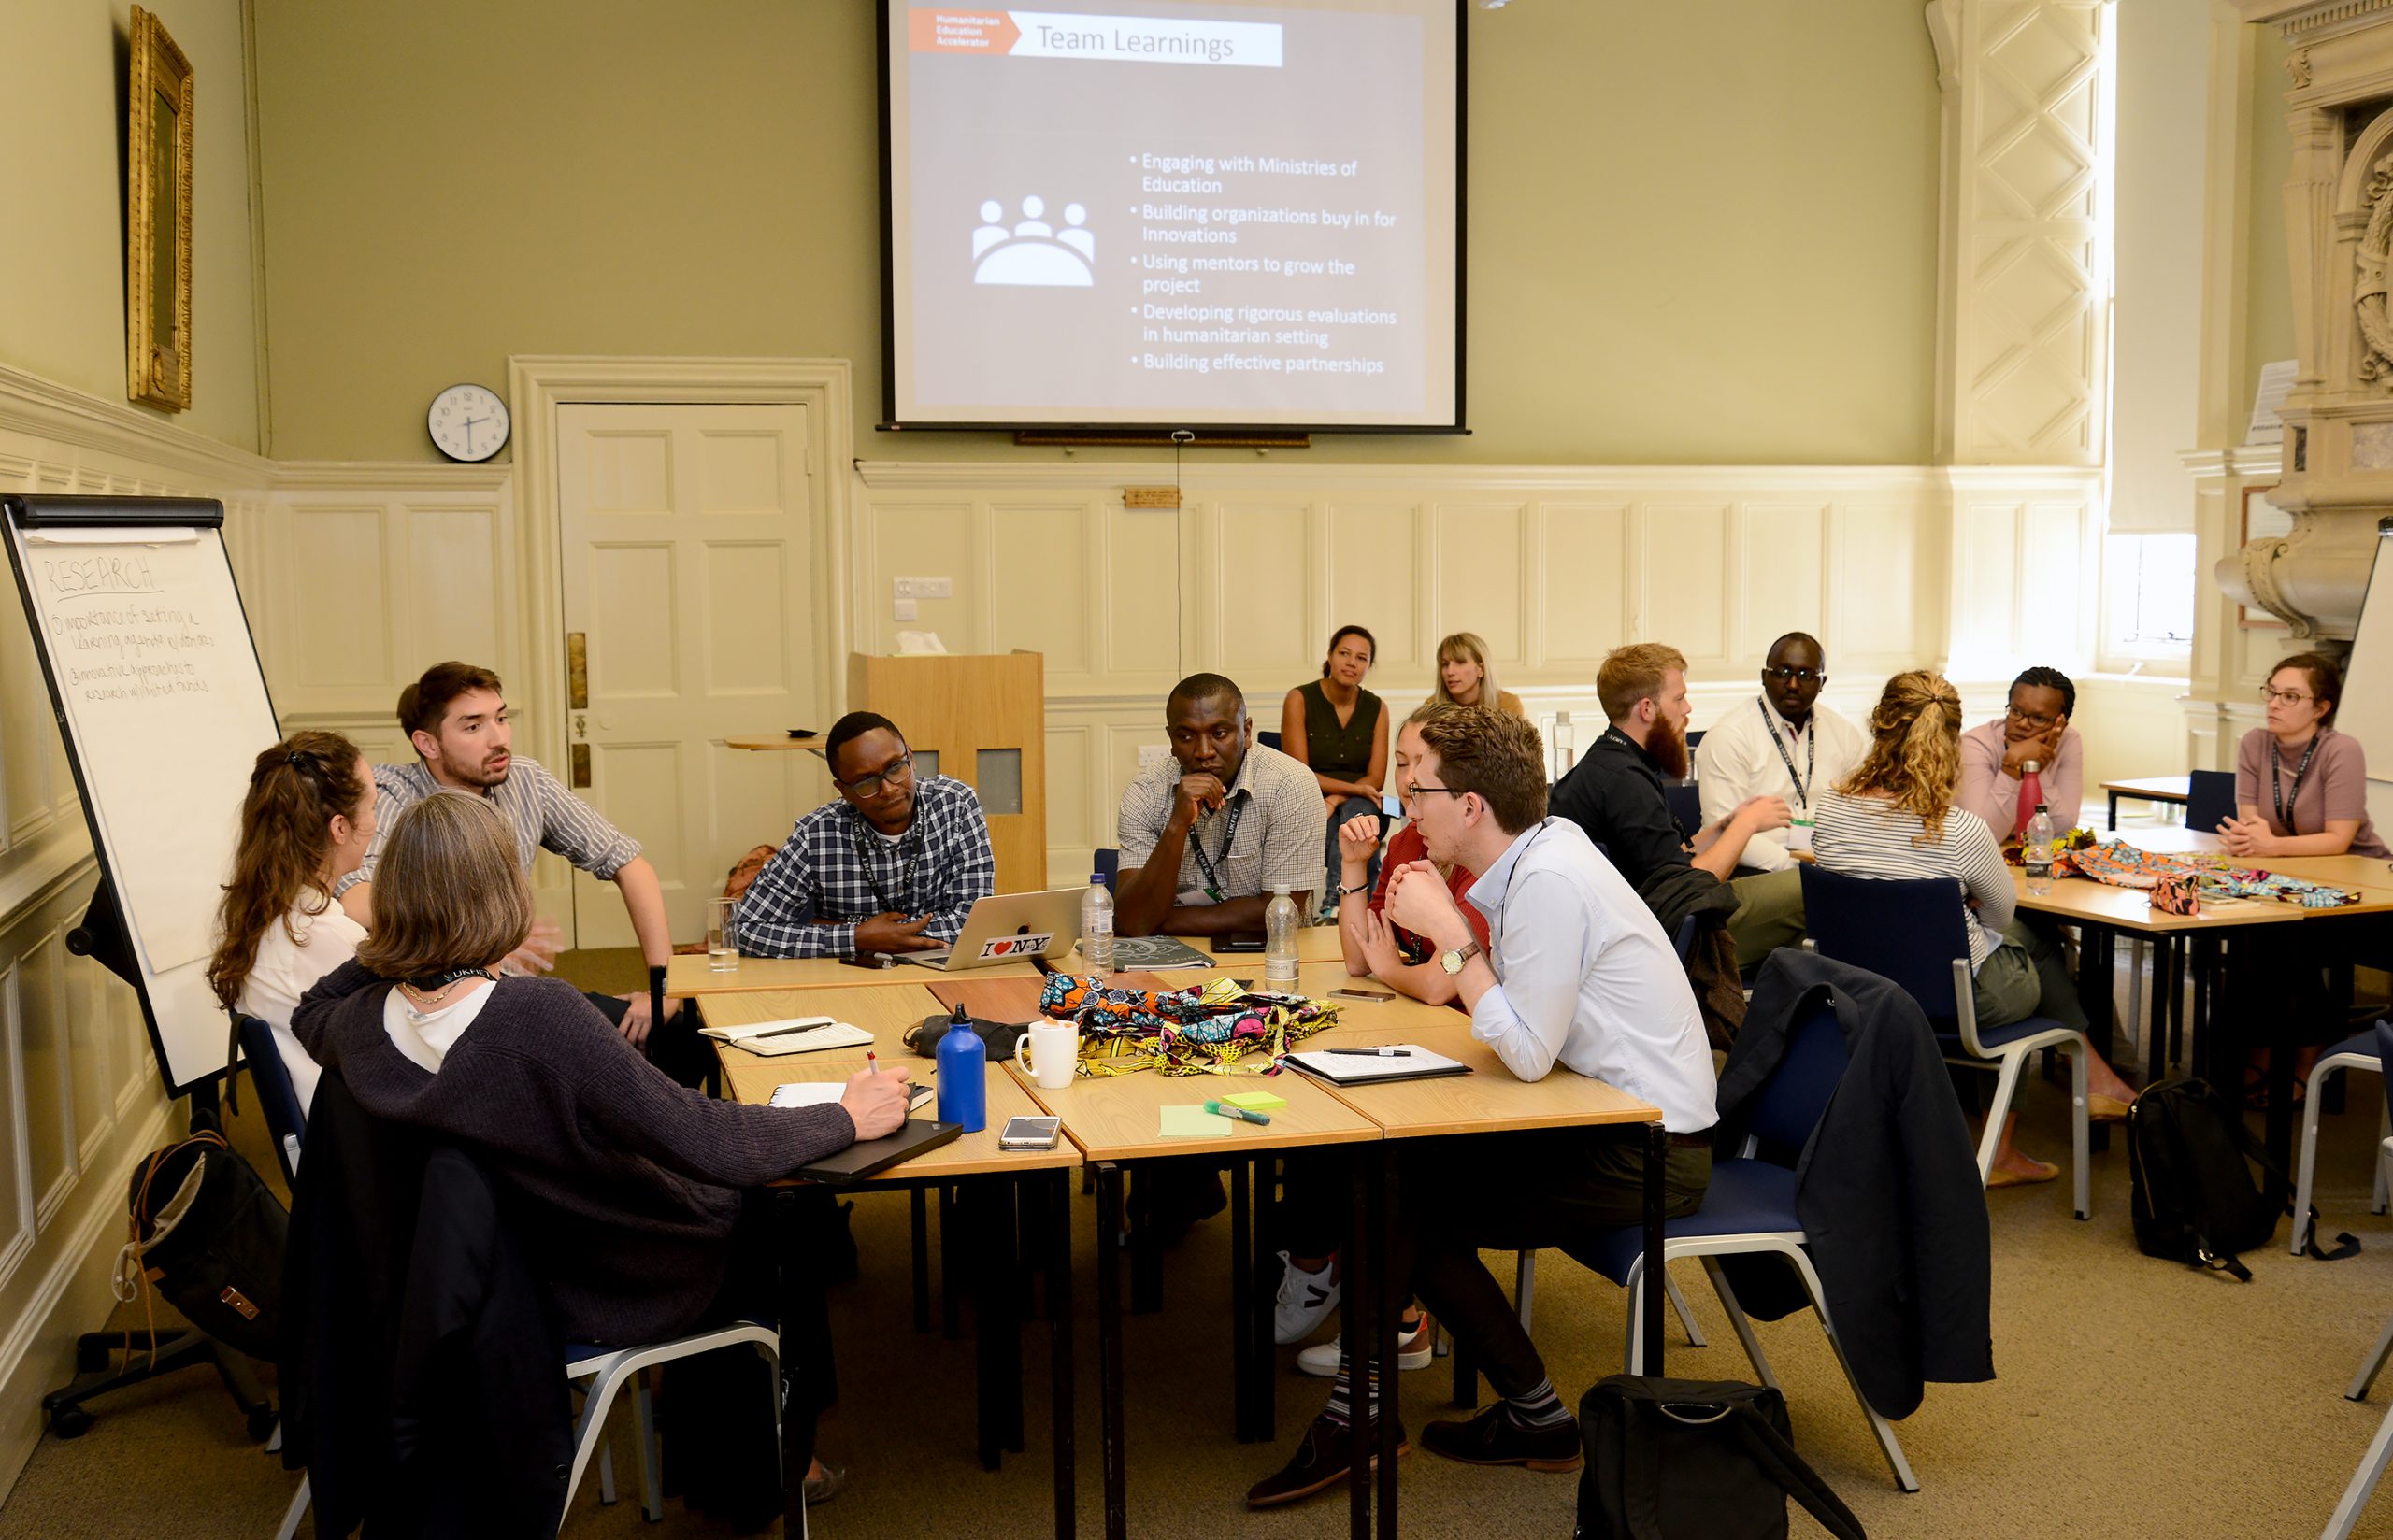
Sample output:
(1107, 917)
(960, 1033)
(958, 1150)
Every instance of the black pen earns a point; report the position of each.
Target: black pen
(1373, 1053)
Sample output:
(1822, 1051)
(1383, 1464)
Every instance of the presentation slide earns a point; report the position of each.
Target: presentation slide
(1125, 212)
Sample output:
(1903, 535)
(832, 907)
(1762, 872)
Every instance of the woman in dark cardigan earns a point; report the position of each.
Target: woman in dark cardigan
(634, 1182)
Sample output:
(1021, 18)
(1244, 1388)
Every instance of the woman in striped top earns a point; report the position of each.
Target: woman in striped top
(1894, 817)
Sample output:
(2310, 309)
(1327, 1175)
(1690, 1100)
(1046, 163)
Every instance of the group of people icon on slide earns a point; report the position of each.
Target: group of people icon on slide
(1033, 252)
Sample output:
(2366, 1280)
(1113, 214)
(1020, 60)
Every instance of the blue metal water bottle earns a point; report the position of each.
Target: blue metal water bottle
(962, 1095)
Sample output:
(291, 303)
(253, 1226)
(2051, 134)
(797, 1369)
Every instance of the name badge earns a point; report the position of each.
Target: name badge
(1799, 835)
(1017, 946)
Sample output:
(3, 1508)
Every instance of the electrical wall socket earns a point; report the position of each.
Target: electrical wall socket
(904, 609)
(924, 587)
(1153, 754)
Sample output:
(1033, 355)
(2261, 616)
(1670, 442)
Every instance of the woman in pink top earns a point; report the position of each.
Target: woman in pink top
(2301, 787)
(2034, 729)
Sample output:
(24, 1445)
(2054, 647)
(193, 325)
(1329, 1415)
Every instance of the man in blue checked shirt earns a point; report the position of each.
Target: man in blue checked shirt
(894, 865)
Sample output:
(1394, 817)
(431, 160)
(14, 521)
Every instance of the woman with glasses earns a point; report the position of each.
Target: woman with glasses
(2031, 750)
(1337, 729)
(894, 865)
(2301, 787)
(1466, 678)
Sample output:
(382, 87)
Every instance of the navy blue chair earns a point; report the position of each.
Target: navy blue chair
(1684, 943)
(1268, 740)
(1686, 805)
(1910, 931)
(1750, 1208)
(277, 1099)
(2210, 799)
(2366, 1051)
(1109, 866)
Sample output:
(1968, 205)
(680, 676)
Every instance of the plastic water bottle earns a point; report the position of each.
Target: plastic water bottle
(1096, 925)
(1562, 741)
(2038, 851)
(962, 1057)
(1280, 942)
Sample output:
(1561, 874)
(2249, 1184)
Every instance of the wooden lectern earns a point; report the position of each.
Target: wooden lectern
(984, 720)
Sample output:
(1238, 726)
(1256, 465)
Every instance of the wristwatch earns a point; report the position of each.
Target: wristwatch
(1453, 962)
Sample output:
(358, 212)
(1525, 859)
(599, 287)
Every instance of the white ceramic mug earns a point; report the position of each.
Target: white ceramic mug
(1048, 1052)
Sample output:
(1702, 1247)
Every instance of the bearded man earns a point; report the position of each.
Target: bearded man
(1616, 795)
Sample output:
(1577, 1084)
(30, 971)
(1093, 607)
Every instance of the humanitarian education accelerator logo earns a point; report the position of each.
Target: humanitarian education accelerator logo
(1034, 253)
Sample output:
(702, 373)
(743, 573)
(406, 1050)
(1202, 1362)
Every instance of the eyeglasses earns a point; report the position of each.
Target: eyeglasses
(1408, 791)
(2284, 697)
(900, 769)
(2030, 717)
(1784, 674)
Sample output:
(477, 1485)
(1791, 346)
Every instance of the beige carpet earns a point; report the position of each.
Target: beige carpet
(2135, 1399)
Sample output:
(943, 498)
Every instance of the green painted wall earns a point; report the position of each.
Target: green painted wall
(1698, 233)
(62, 171)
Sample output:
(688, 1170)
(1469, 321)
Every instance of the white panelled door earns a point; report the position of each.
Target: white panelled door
(688, 555)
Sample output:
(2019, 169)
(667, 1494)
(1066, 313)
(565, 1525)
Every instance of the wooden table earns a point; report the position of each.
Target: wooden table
(688, 975)
(2174, 789)
(991, 1175)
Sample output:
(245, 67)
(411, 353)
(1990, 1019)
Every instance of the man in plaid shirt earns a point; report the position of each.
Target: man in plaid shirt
(894, 865)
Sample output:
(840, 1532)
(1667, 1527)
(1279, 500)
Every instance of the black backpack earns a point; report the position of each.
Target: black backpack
(2189, 1169)
(1703, 1459)
(211, 1237)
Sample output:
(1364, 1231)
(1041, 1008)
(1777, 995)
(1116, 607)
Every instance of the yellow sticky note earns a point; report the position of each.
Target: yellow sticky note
(1256, 1101)
(1194, 1123)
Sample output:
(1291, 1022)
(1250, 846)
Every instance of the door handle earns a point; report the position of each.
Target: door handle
(577, 670)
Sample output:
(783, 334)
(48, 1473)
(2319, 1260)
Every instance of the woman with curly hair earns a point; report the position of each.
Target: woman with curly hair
(306, 822)
(1895, 817)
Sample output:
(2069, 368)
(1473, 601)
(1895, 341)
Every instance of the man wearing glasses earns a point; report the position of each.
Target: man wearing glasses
(1995, 757)
(894, 865)
(1781, 744)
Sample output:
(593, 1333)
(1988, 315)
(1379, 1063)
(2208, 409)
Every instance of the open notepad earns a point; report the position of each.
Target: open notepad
(793, 1034)
(799, 1093)
(1352, 1069)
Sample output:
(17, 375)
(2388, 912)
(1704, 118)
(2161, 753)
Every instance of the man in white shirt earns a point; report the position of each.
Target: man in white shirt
(1578, 976)
(1781, 744)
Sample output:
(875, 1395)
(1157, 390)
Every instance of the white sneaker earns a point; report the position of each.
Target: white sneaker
(1305, 1302)
(1413, 1350)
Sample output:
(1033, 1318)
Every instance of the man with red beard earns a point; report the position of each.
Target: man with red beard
(1616, 795)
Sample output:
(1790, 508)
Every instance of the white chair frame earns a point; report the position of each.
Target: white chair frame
(2380, 1449)
(2309, 1164)
(2006, 1063)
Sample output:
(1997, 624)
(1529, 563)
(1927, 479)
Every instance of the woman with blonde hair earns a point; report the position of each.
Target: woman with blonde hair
(307, 822)
(1466, 678)
(1895, 817)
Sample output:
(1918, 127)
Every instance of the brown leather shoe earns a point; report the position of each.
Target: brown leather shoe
(1324, 1458)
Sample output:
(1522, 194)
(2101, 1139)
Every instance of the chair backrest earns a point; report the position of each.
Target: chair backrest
(1906, 930)
(1686, 805)
(1684, 943)
(2210, 799)
(1109, 866)
(284, 1117)
(1789, 1104)
(2385, 1047)
(1268, 740)
(1694, 737)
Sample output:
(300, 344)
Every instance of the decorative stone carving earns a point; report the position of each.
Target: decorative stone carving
(2376, 255)
(2297, 64)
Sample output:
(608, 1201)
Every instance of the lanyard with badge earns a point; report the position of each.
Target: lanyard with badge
(2276, 780)
(904, 873)
(1204, 861)
(1799, 832)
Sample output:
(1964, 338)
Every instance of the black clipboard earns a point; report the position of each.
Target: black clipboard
(871, 1156)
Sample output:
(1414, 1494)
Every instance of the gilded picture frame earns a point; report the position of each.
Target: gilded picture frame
(157, 206)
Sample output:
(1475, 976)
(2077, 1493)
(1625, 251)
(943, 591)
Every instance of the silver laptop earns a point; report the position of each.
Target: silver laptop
(1009, 928)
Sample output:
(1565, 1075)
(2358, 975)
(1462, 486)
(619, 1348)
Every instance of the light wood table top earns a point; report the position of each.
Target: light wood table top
(2153, 788)
(776, 742)
(749, 1079)
(688, 975)
(885, 1013)
(1119, 1117)
(1490, 1099)
(2084, 899)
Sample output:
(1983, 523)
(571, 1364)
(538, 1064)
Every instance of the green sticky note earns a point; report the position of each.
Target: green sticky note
(1194, 1123)
(1256, 1101)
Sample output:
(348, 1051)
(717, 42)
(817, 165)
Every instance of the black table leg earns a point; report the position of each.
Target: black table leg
(1108, 1349)
(798, 1411)
(1387, 1311)
(1359, 1343)
(1265, 1328)
(2094, 963)
(1059, 1373)
(2115, 812)
(2285, 956)
(921, 1224)
(950, 1266)
(1658, 1151)
(1146, 1247)
(2178, 947)
(1242, 1375)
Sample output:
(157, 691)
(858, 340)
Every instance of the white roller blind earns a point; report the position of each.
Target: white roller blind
(2163, 74)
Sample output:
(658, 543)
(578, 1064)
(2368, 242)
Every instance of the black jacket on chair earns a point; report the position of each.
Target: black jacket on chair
(1887, 1189)
(423, 1368)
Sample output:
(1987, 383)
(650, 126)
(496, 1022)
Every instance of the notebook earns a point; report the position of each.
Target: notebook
(798, 1093)
(1155, 954)
(869, 1157)
(793, 1035)
(1358, 1069)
